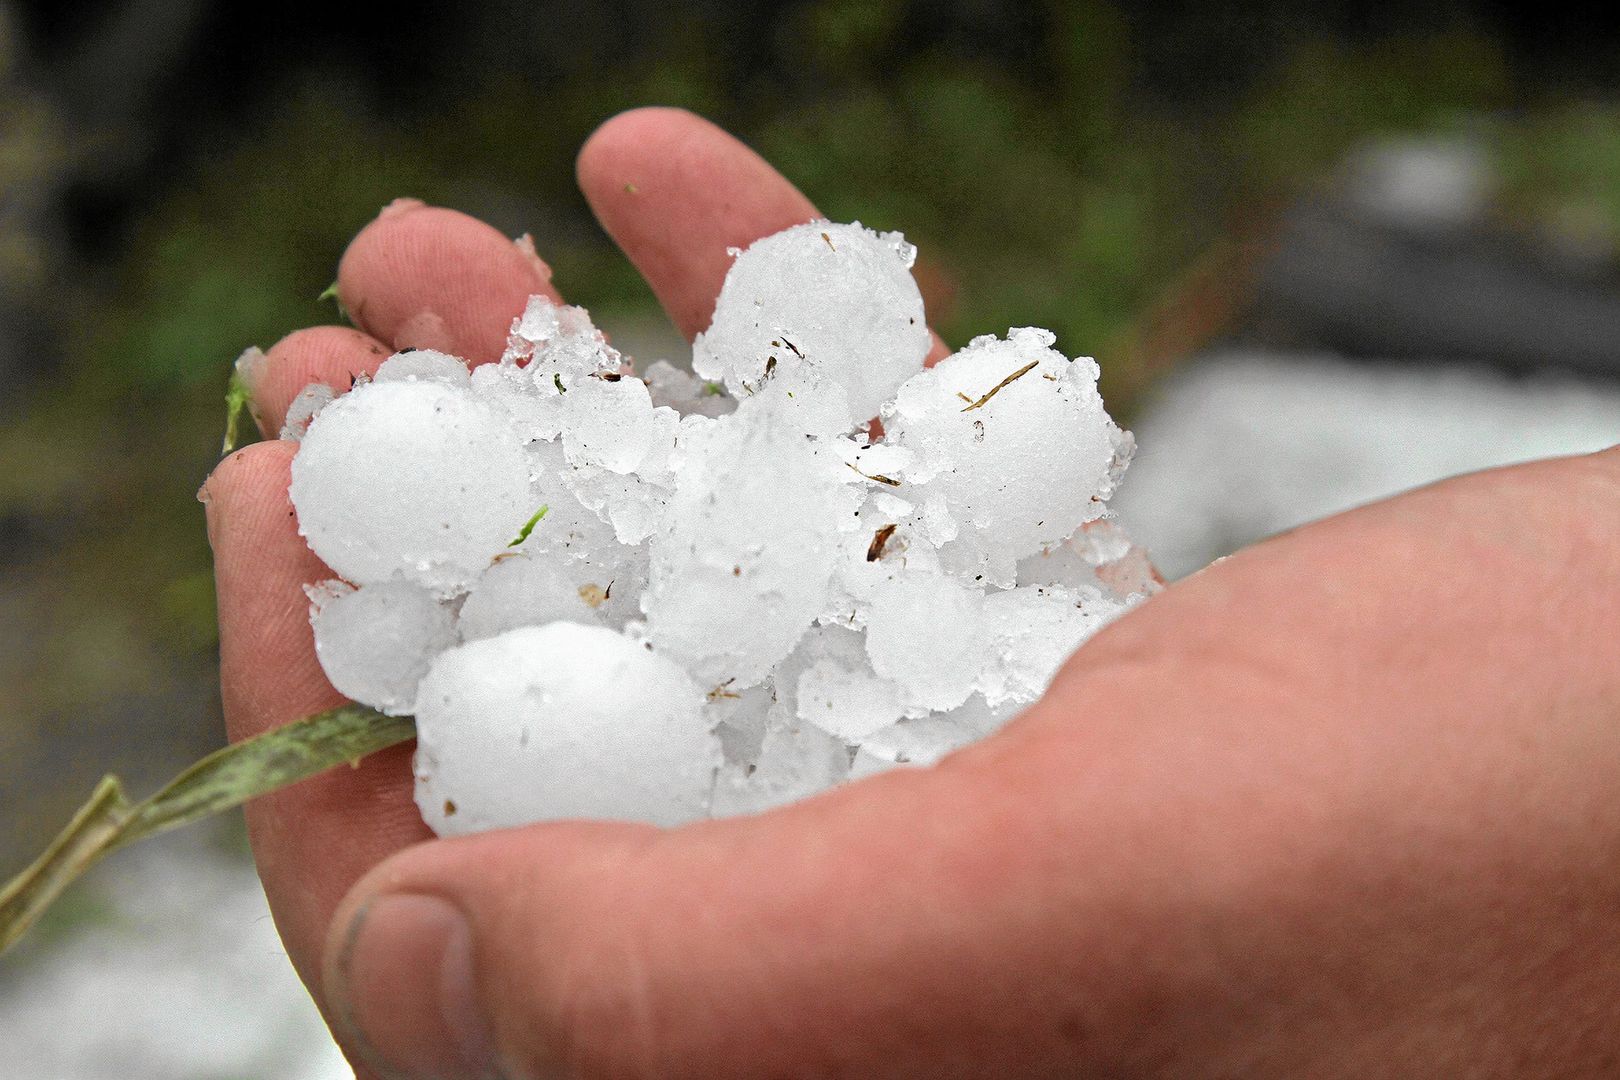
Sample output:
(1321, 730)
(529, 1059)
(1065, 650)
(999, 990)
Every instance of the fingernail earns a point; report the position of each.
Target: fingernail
(403, 987)
(425, 330)
(401, 205)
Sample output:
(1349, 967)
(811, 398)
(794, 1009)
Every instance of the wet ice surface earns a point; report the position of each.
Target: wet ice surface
(177, 974)
(1242, 445)
(649, 578)
(411, 478)
(826, 318)
(561, 720)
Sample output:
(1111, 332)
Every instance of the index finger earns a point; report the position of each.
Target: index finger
(675, 192)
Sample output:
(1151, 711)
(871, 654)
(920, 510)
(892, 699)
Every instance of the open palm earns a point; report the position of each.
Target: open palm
(1345, 804)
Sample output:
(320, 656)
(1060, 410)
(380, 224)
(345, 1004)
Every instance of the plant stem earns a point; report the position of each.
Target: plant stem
(223, 780)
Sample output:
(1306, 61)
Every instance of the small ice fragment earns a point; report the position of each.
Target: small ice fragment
(375, 643)
(796, 760)
(522, 590)
(539, 323)
(923, 633)
(303, 410)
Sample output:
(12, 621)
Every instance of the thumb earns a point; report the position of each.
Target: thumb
(747, 946)
(462, 958)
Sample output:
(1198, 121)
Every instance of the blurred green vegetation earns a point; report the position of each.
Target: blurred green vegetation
(1053, 191)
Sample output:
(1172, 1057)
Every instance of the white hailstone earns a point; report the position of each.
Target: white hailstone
(726, 604)
(926, 739)
(540, 322)
(825, 318)
(631, 504)
(424, 365)
(837, 690)
(1015, 439)
(686, 393)
(512, 390)
(560, 721)
(924, 633)
(303, 410)
(576, 349)
(583, 539)
(1033, 629)
(796, 760)
(744, 560)
(375, 643)
(607, 422)
(522, 590)
(413, 479)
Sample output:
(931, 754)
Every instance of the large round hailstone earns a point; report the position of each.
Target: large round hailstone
(522, 590)
(1014, 436)
(561, 721)
(412, 478)
(376, 643)
(743, 563)
(815, 311)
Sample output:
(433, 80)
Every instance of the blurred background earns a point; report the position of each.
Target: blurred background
(1322, 251)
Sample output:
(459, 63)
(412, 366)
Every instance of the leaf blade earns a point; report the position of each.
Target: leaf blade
(225, 779)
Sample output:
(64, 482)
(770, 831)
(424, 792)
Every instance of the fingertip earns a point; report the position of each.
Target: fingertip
(237, 485)
(332, 355)
(423, 276)
(617, 140)
(269, 674)
(401, 205)
(675, 191)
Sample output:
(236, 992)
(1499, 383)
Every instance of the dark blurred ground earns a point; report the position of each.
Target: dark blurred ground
(179, 177)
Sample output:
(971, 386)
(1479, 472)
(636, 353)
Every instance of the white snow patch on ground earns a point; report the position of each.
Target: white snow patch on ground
(180, 977)
(1242, 445)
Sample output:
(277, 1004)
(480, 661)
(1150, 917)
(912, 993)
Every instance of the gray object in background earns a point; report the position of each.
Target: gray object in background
(1241, 445)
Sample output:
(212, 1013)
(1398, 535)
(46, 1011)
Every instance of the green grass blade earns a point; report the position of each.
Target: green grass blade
(89, 836)
(232, 775)
(528, 526)
(223, 780)
(236, 400)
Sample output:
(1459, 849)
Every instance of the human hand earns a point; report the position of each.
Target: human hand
(1344, 804)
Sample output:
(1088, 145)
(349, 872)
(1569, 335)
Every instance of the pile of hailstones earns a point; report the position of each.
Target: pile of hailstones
(671, 597)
